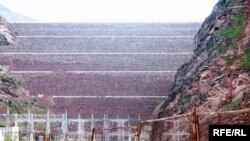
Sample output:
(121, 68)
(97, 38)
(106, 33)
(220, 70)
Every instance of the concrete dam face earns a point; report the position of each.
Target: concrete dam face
(114, 69)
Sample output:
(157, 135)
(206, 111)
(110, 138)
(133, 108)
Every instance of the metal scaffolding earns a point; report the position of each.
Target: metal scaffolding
(77, 128)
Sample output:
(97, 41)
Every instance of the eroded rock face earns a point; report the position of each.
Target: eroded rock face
(210, 79)
(217, 77)
(6, 33)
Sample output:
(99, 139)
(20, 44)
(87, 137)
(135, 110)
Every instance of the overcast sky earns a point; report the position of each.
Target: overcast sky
(113, 10)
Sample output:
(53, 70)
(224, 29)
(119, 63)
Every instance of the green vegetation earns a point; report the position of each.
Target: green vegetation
(246, 93)
(18, 106)
(211, 51)
(13, 107)
(245, 65)
(229, 59)
(7, 78)
(233, 105)
(217, 48)
(38, 107)
(184, 101)
(235, 27)
(23, 106)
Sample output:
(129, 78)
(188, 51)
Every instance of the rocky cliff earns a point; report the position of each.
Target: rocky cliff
(217, 77)
(6, 33)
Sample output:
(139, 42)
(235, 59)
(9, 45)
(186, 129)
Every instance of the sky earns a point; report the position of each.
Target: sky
(113, 10)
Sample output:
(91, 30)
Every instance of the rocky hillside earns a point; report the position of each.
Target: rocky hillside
(217, 78)
(6, 33)
(13, 93)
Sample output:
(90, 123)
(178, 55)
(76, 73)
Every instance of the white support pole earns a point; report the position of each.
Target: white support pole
(105, 126)
(83, 130)
(8, 110)
(66, 122)
(7, 117)
(123, 132)
(129, 131)
(92, 122)
(62, 128)
(79, 131)
(16, 121)
(119, 130)
(108, 124)
(129, 120)
(48, 124)
(65, 125)
(62, 124)
(129, 136)
(31, 125)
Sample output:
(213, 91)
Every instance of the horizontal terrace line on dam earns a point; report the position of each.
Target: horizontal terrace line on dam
(150, 29)
(79, 72)
(87, 72)
(96, 53)
(105, 36)
(112, 97)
